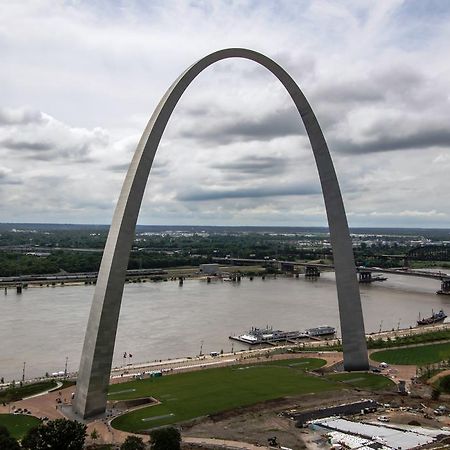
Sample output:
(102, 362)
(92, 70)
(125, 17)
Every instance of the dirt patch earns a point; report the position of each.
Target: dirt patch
(269, 404)
(257, 423)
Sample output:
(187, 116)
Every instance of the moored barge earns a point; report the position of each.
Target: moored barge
(435, 318)
(269, 336)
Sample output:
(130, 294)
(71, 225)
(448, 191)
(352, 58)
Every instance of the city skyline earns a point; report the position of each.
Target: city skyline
(80, 81)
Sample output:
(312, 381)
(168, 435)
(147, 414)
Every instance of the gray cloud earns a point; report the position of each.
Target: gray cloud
(6, 178)
(119, 167)
(10, 116)
(381, 86)
(361, 91)
(43, 138)
(24, 145)
(254, 165)
(50, 151)
(275, 124)
(253, 192)
(415, 140)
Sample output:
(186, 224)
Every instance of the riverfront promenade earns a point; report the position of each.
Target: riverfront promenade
(206, 361)
(47, 405)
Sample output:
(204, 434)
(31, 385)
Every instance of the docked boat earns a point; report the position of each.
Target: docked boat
(321, 331)
(435, 318)
(269, 335)
(266, 335)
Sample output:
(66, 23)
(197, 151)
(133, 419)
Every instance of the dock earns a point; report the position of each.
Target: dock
(270, 336)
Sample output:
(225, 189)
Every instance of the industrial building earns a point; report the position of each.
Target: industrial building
(375, 436)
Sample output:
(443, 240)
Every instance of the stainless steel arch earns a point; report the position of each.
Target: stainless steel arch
(96, 359)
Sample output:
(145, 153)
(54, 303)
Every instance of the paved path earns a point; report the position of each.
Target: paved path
(438, 375)
(43, 405)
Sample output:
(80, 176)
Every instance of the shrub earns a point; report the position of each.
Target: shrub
(444, 384)
(166, 439)
(133, 443)
(59, 434)
(8, 443)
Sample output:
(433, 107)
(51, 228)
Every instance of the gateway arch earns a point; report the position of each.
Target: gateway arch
(97, 354)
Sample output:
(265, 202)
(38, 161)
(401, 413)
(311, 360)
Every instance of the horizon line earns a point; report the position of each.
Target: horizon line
(230, 226)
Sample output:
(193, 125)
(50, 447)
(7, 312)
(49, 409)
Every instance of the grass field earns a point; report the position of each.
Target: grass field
(17, 393)
(420, 355)
(18, 425)
(195, 394)
(363, 380)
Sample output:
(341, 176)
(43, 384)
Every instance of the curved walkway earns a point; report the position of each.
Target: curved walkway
(438, 375)
(39, 394)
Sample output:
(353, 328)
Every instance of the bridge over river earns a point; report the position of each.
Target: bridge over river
(365, 273)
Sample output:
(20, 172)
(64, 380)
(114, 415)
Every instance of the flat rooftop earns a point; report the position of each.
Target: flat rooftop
(366, 434)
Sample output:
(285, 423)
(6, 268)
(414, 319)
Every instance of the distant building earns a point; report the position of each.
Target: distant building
(209, 269)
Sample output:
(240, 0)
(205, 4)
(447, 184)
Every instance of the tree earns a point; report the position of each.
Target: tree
(7, 442)
(165, 439)
(444, 384)
(133, 443)
(59, 434)
(94, 435)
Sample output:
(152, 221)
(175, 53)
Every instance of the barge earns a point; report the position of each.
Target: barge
(435, 318)
(268, 335)
(321, 331)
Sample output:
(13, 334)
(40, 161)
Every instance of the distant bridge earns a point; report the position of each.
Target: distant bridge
(365, 273)
(428, 252)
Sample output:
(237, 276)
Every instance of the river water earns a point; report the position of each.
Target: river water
(44, 325)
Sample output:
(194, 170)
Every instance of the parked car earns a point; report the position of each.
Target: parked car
(383, 419)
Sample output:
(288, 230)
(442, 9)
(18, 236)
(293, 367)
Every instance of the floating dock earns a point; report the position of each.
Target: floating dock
(270, 336)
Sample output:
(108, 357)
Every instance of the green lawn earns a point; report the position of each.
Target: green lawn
(420, 355)
(18, 425)
(17, 393)
(303, 364)
(362, 380)
(195, 394)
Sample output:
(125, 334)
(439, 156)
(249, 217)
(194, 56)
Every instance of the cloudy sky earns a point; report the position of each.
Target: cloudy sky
(80, 79)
